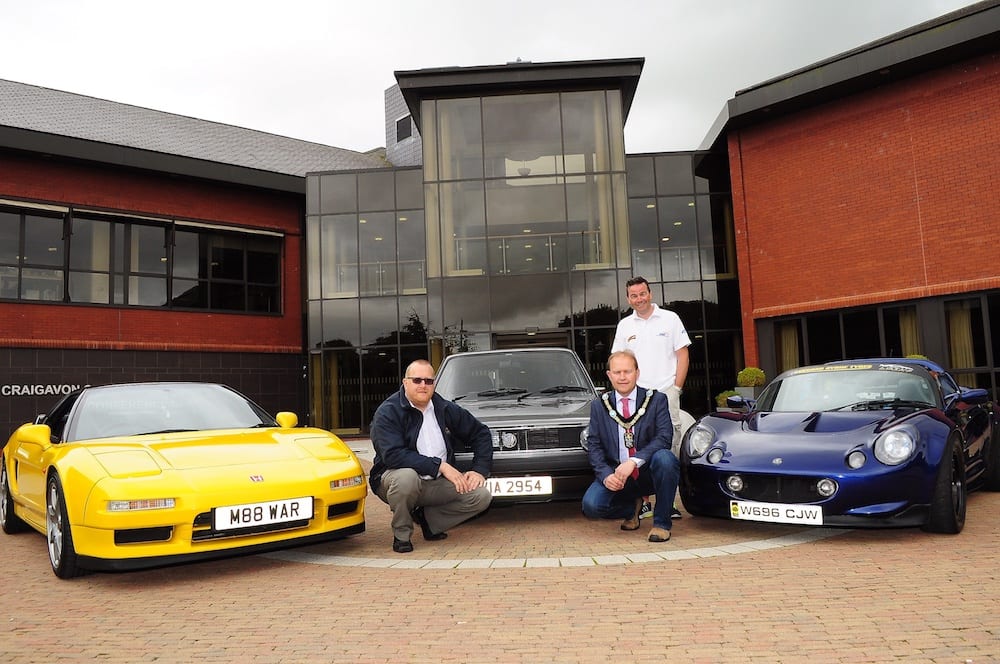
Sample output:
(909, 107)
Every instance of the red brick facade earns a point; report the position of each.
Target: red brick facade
(136, 192)
(888, 195)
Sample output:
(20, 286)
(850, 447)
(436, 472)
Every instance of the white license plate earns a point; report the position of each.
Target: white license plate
(263, 514)
(540, 485)
(811, 515)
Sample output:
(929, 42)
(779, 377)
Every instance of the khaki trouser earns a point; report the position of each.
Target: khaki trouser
(444, 507)
(674, 402)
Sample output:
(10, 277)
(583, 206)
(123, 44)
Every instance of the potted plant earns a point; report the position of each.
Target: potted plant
(749, 382)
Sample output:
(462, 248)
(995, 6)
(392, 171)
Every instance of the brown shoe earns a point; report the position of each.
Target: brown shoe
(632, 523)
(659, 535)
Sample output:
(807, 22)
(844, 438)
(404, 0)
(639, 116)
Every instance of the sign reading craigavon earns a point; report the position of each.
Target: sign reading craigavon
(36, 390)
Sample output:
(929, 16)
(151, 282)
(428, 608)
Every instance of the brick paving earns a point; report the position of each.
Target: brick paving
(533, 583)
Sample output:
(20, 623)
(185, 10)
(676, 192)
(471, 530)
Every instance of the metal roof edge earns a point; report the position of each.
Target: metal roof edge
(26, 140)
(959, 35)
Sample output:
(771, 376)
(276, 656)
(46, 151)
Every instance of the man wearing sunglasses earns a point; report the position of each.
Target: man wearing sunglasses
(413, 434)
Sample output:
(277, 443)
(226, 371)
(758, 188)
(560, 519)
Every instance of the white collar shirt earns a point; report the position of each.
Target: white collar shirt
(655, 342)
(632, 405)
(430, 440)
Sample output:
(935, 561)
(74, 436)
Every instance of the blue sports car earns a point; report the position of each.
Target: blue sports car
(860, 443)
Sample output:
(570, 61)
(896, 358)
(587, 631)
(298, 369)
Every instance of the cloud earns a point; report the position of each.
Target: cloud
(317, 70)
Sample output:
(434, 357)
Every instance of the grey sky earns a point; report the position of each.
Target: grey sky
(317, 70)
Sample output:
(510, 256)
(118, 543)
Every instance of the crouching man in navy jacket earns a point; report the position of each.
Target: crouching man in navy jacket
(414, 466)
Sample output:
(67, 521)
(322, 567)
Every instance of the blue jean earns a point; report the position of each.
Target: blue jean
(659, 477)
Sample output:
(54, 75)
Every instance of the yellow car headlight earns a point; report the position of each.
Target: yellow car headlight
(139, 505)
(356, 480)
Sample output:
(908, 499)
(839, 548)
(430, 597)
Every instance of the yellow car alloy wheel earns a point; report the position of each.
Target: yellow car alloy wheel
(62, 555)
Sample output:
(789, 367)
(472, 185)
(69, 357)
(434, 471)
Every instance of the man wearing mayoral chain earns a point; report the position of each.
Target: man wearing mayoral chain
(629, 443)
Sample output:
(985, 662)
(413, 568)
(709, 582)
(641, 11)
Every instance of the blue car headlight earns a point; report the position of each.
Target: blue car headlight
(896, 446)
(699, 439)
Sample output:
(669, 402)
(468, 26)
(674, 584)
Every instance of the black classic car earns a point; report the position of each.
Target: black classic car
(536, 402)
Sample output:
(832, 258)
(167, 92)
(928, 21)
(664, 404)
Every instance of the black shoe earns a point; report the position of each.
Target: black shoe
(418, 517)
(401, 546)
(675, 513)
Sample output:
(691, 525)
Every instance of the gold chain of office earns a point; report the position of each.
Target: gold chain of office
(630, 422)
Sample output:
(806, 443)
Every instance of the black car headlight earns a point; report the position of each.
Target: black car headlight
(699, 439)
(896, 446)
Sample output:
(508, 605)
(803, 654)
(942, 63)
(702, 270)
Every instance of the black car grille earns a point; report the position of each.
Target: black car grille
(143, 535)
(203, 529)
(779, 489)
(538, 439)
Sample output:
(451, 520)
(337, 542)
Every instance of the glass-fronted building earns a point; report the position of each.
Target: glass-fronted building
(520, 228)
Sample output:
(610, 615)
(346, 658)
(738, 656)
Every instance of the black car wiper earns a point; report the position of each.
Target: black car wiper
(876, 404)
(556, 389)
(502, 392)
(153, 433)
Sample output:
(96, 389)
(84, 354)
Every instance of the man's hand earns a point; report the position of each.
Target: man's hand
(616, 480)
(474, 479)
(464, 482)
(624, 471)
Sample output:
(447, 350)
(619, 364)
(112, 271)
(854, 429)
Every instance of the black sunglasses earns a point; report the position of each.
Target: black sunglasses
(421, 381)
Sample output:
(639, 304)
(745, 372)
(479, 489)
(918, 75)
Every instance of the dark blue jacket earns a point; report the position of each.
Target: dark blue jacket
(394, 431)
(653, 431)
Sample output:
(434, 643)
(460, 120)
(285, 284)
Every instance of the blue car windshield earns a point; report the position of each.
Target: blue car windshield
(842, 388)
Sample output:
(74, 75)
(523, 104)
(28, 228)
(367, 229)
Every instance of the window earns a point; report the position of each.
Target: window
(965, 337)
(225, 271)
(104, 259)
(90, 261)
(525, 184)
(404, 128)
(902, 333)
(32, 256)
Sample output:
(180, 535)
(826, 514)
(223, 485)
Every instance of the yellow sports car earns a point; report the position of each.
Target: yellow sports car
(128, 476)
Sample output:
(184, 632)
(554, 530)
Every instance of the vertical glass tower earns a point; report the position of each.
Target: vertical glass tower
(520, 228)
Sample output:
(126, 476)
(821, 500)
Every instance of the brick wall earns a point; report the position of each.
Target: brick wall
(887, 195)
(138, 192)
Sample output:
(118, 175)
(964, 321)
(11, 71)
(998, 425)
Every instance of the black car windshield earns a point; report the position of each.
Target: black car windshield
(125, 410)
(512, 374)
(845, 388)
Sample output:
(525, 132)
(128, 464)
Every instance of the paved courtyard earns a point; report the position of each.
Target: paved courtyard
(533, 583)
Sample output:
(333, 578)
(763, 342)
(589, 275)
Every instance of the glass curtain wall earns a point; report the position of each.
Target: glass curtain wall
(524, 224)
(366, 290)
(680, 218)
(527, 219)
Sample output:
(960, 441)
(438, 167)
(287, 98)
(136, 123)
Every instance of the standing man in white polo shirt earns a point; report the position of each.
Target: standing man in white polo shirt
(660, 343)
